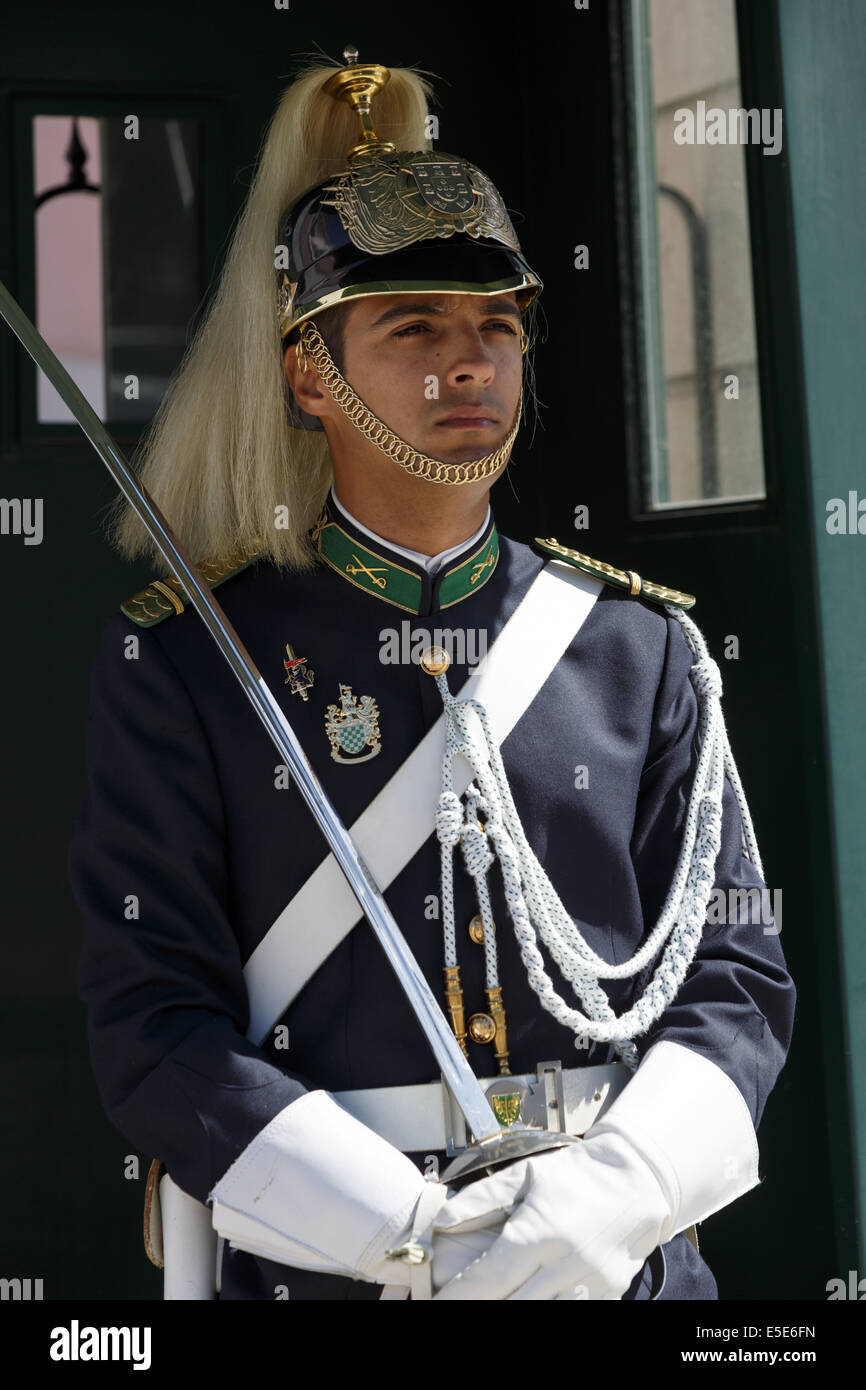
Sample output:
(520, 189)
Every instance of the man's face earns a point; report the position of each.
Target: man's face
(443, 371)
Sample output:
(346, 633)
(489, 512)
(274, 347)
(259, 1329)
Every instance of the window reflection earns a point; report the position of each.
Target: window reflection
(118, 255)
(700, 356)
(67, 164)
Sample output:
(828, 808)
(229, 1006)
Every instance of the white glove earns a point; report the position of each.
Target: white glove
(454, 1250)
(674, 1147)
(319, 1190)
(583, 1220)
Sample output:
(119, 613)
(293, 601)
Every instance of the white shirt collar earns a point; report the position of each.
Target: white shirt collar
(431, 563)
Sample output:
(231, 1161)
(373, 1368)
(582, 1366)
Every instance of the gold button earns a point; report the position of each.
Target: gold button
(476, 929)
(435, 660)
(482, 1029)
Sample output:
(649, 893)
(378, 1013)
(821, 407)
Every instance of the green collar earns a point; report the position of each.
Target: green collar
(398, 582)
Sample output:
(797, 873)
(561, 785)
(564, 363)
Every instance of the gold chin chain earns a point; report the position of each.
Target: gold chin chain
(312, 345)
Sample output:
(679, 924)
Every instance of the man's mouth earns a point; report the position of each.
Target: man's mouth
(469, 418)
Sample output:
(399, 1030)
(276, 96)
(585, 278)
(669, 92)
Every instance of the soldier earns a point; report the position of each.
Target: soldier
(329, 446)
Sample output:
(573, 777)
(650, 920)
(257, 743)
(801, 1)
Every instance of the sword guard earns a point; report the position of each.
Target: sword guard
(508, 1147)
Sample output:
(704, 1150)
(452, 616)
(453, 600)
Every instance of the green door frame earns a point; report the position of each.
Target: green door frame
(820, 50)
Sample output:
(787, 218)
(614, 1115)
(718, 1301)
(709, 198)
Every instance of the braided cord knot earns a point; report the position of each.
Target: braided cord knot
(476, 853)
(706, 678)
(449, 819)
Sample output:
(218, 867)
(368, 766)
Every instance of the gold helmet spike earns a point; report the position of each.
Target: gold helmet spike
(358, 85)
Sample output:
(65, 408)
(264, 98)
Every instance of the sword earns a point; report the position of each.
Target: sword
(491, 1144)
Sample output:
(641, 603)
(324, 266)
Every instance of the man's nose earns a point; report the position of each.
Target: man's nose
(471, 359)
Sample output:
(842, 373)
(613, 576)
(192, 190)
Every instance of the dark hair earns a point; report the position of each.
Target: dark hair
(331, 323)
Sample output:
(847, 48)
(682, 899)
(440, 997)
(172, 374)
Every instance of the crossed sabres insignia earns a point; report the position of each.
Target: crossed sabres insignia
(375, 571)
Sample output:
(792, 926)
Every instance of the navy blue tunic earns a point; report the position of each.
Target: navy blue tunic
(183, 812)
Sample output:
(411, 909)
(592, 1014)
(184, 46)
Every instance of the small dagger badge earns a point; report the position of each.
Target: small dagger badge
(299, 677)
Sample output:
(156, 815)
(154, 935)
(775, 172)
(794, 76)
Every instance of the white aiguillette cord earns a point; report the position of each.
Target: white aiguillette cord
(533, 903)
(402, 817)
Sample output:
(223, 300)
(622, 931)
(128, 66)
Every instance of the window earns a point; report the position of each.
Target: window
(698, 370)
(117, 253)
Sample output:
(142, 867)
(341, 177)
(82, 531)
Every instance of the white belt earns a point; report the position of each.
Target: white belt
(423, 1119)
(415, 1119)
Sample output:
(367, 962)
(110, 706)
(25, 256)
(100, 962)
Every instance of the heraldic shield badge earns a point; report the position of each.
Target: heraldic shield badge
(353, 727)
(443, 184)
(507, 1101)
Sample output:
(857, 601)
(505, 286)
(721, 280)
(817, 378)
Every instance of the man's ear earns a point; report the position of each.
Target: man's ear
(306, 386)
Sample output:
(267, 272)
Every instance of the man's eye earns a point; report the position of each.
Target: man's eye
(407, 332)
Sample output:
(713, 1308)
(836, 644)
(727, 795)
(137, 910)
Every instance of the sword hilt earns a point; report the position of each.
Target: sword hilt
(479, 1159)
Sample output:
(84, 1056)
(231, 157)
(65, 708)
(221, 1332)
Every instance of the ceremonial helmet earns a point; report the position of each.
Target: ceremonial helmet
(392, 222)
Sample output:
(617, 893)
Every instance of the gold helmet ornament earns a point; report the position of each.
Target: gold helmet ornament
(393, 222)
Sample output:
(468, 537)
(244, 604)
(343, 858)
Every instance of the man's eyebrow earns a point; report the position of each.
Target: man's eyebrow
(495, 306)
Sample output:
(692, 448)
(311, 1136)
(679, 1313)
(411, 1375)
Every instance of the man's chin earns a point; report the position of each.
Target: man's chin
(460, 451)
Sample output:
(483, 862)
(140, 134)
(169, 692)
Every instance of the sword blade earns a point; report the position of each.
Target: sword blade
(456, 1072)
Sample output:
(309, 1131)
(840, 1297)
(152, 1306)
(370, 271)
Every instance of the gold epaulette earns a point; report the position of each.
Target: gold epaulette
(166, 596)
(623, 579)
